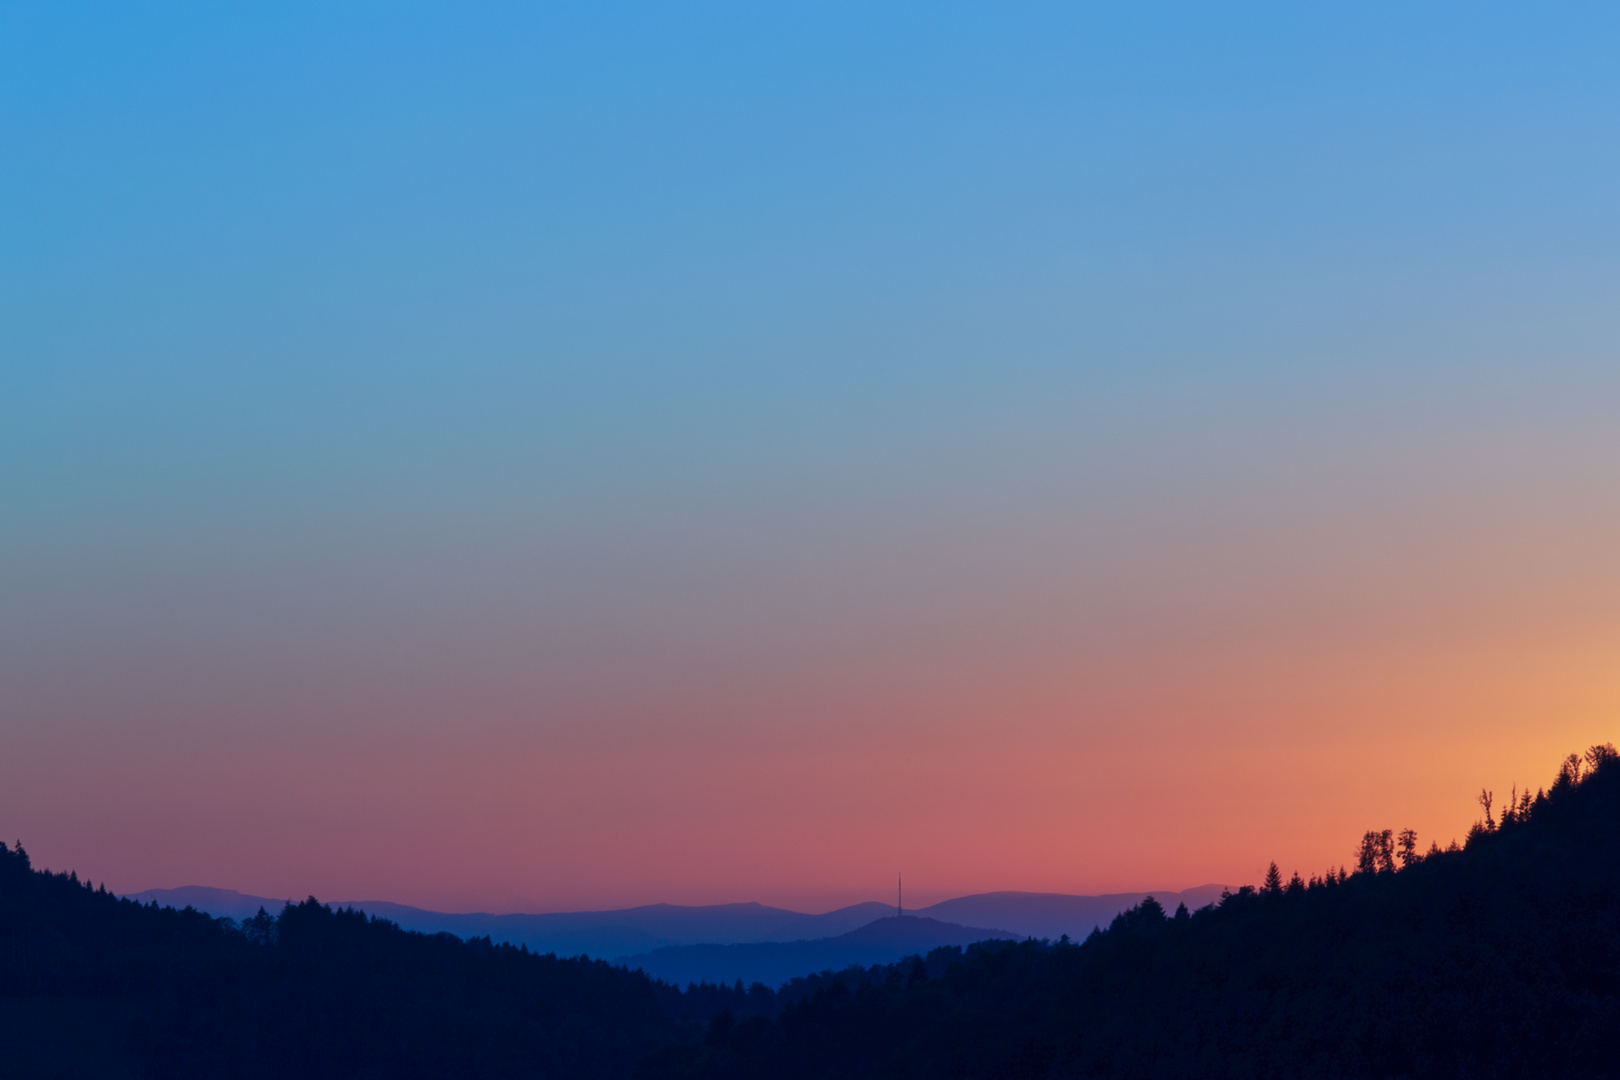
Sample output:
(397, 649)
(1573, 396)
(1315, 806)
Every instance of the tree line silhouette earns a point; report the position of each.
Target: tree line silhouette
(114, 988)
(1499, 956)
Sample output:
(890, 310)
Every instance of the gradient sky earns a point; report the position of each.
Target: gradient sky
(530, 457)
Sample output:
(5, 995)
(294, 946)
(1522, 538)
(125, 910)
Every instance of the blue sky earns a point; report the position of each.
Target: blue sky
(530, 370)
(285, 230)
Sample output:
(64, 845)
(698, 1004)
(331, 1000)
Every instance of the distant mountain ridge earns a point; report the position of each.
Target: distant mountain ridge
(1051, 915)
(604, 934)
(637, 931)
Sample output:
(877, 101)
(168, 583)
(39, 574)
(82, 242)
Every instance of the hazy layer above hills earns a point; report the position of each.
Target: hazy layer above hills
(634, 933)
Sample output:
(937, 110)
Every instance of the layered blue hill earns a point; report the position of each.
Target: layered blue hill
(775, 962)
(605, 934)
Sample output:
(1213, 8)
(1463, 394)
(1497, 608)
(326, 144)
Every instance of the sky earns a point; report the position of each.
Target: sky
(529, 457)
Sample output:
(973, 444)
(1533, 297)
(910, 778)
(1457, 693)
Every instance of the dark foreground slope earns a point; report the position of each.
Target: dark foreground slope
(1499, 960)
(91, 985)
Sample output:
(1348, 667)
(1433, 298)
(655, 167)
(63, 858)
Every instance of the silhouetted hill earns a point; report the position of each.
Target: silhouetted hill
(882, 941)
(829, 924)
(1052, 915)
(566, 933)
(640, 930)
(1501, 959)
(92, 985)
(599, 933)
(220, 903)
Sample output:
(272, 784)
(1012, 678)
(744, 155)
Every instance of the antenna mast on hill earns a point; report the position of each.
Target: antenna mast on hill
(899, 897)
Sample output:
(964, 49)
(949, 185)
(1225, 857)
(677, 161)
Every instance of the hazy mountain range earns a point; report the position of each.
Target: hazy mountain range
(747, 941)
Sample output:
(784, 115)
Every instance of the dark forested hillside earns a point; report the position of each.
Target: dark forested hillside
(91, 985)
(1498, 960)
